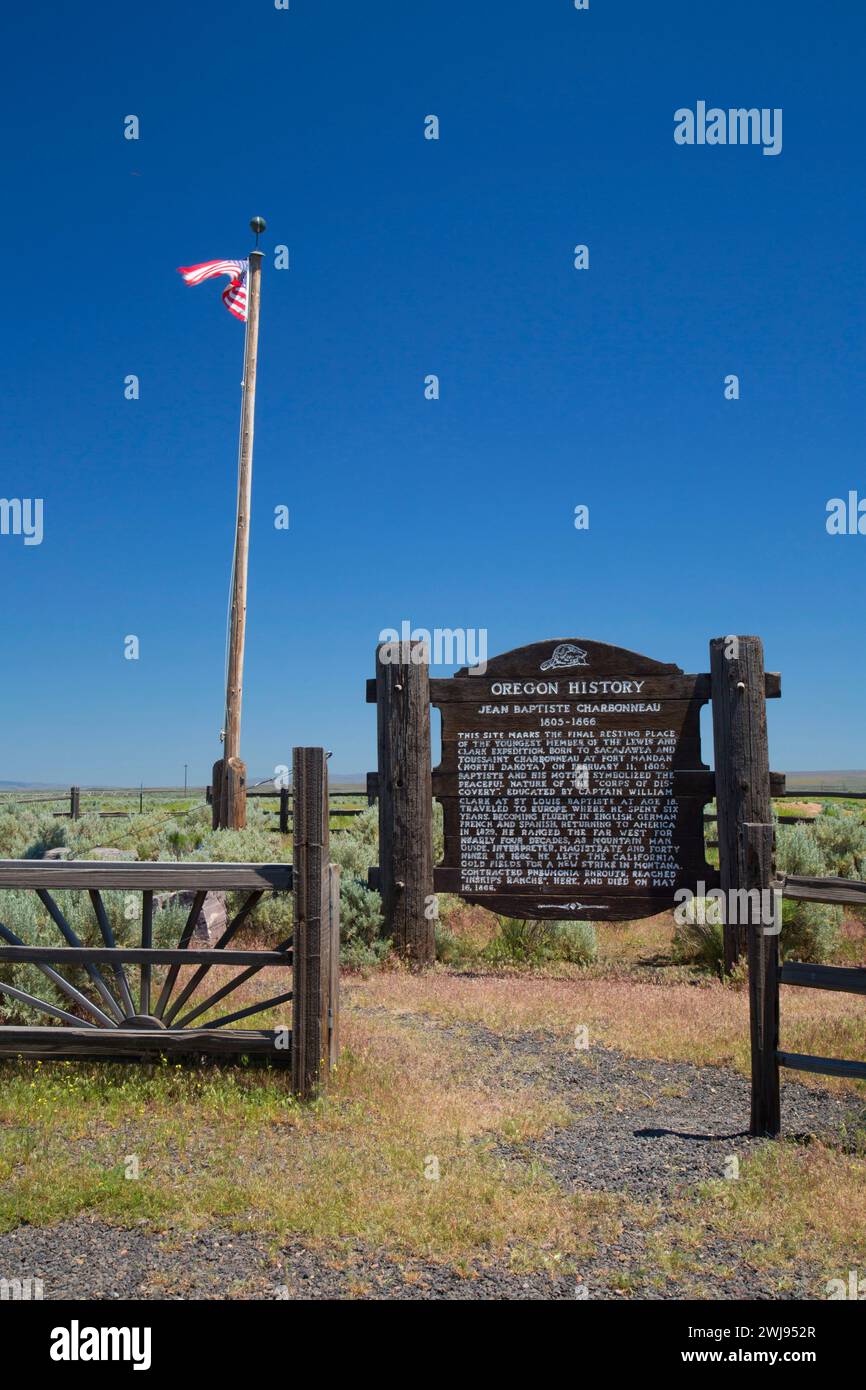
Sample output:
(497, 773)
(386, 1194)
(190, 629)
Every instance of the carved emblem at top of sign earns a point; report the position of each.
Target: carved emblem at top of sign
(565, 655)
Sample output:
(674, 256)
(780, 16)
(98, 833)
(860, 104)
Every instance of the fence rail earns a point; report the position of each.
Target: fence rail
(799, 793)
(368, 793)
(823, 1066)
(164, 874)
(841, 978)
(134, 955)
(286, 813)
(850, 979)
(821, 890)
(281, 794)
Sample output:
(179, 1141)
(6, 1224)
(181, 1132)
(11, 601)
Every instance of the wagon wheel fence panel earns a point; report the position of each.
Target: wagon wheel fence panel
(147, 990)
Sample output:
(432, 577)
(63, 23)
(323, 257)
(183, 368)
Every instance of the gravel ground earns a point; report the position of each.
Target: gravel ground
(645, 1130)
(652, 1129)
(86, 1259)
(89, 1259)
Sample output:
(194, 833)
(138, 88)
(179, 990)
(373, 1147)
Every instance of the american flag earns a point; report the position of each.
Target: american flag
(235, 296)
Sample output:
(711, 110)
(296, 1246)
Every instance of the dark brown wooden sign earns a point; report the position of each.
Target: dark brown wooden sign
(572, 782)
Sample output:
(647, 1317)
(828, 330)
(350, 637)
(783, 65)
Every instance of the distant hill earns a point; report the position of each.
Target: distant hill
(837, 781)
(341, 778)
(32, 786)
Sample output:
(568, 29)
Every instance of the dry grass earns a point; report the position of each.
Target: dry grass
(232, 1147)
(218, 1148)
(707, 1024)
(790, 1205)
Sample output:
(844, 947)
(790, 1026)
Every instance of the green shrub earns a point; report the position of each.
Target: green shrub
(810, 931)
(576, 942)
(842, 841)
(835, 844)
(271, 919)
(25, 832)
(438, 832)
(254, 845)
(356, 849)
(699, 939)
(520, 940)
(450, 949)
(798, 851)
(179, 840)
(357, 955)
(526, 942)
(361, 923)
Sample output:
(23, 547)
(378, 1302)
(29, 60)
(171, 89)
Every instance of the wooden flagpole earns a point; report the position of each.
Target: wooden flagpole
(229, 772)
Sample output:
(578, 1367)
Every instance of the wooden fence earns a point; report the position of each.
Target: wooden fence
(782, 820)
(283, 795)
(73, 796)
(767, 1055)
(827, 793)
(285, 812)
(107, 1018)
(747, 836)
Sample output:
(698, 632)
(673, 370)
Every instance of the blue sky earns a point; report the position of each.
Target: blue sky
(408, 257)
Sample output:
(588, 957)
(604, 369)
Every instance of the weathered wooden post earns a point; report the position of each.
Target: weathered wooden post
(334, 981)
(315, 975)
(764, 980)
(233, 796)
(745, 833)
(216, 794)
(284, 810)
(405, 798)
(737, 688)
(74, 803)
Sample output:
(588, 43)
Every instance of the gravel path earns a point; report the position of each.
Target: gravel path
(647, 1130)
(92, 1260)
(652, 1129)
(88, 1259)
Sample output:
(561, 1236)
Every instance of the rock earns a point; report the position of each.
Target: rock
(212, 920)
(61, 852)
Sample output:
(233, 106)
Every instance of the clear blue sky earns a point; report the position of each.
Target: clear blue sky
(411, 257)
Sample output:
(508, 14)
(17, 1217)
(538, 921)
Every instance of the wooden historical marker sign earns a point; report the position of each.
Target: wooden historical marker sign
(572, 783)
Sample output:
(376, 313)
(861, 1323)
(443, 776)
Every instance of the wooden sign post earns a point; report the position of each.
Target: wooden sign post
(402, 695)
(746, 837)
